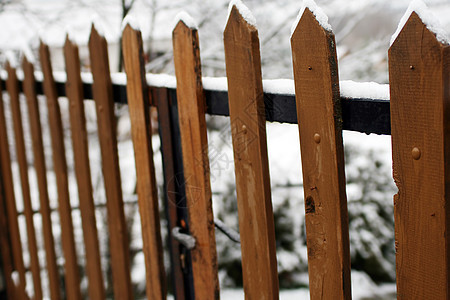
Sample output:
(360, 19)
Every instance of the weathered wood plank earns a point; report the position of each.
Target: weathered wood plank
(248, 129)
(29, 85)
(419, 74)
(11, 208)
(139, 107)
(194, 141)
(10, 289)
(60, 167)
(74, 91)
(102, 91)
(13, 91)
(322, 151)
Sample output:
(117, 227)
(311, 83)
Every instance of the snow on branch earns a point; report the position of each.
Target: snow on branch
(321, 17)
(186, 19)
(427, 17)
(243, 10)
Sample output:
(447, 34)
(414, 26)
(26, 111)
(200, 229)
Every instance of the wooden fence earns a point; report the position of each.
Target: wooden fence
(419, 108)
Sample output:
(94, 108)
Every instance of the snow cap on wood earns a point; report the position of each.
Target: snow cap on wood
(97, 24)
(132, 21)
(184, 17)
(243, 11)
(11, 58)
(427, 17)
(321, 17)
(27, 53)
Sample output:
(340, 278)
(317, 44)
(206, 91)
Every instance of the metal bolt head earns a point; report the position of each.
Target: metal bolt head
(317, 138)
(416, 153)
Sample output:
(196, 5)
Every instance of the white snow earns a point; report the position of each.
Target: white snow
(161, 80)
(185, 239)
(60, 76)
(368, 90)
(186, 19)
(215, 83)
(119, 78)
(132, 21)
(28, 54)
(427, 17)
(279, 86)
(321, 17)
(98, 25)
(243, 10)
(12, 59)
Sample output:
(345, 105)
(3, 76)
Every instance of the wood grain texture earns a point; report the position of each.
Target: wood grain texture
(12, 86)
(10, 200)
(248, 130)
(322, 152)
(74, 91)
(9, 288)
(139, 107)
(72, 277)
(419, 73)
(102, 91)
(194, 141)
(29, 87)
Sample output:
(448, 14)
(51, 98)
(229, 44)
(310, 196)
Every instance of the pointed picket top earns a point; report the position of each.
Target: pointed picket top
(312, 14)
(186, 19)
(316, 11)
(239, 13)
(418, 8)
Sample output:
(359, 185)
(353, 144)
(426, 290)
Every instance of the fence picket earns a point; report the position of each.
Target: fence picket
(139, 107)
(12, 85)
(11, 208)
(102, 91)
(62, 184)
(419, 73)
(320, 129)
(191, 111)
(248, 130)
(74, 91)
(29, 85)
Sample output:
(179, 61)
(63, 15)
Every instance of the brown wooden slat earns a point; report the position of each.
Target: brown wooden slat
(419, 74)
(248, 130)
(138, 104)
(60, 167)
(29, 85)
(11, 209)
(5, 250)
(12, 85)
(102, 91)
(166, 133)
(191, 111)
(320, 128)
(74, 91)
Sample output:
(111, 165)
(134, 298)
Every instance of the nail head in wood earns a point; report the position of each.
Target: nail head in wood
(317, 138)
(416, 153)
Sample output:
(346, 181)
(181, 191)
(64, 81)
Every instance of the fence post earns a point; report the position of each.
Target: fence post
(194, 142)
(320, 127)
(74, 92)
(29, 88)
(139, 108)
(11, 208)
(248, 130)
(102, 91)
(72, 279)
(13, 91)
(419, 74)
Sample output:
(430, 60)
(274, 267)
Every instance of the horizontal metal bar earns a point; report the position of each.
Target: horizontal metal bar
(362, 115)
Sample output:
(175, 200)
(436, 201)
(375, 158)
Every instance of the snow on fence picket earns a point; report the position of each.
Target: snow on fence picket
(419, 84)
